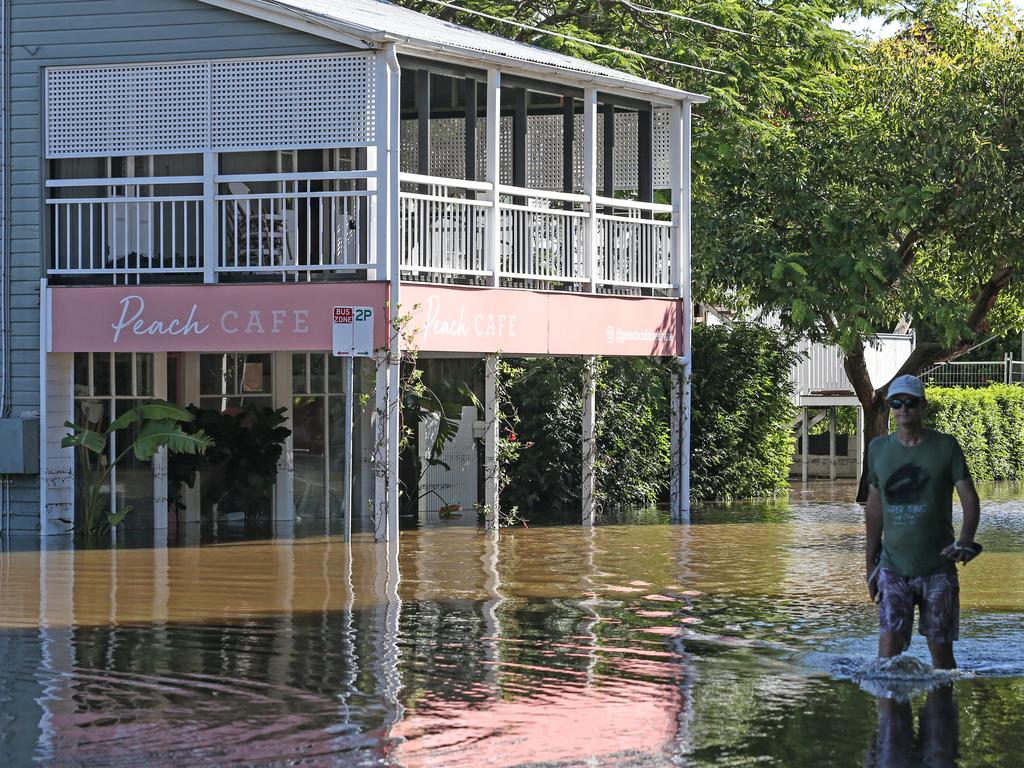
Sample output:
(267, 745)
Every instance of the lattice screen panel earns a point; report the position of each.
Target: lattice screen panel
(543, 150)
(324, 101)
(127, 110)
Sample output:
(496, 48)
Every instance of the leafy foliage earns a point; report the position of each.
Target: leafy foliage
(742, 442)
(632, 461)
(987, 422)
(248, 443)
(160, 425)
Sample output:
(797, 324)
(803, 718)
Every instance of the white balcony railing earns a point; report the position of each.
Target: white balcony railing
(125, 226)
(313, 222)
(542, 238)
(293, 223)
(281, 223)
(443, 227)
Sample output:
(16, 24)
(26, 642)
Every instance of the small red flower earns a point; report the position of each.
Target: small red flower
(512, 437)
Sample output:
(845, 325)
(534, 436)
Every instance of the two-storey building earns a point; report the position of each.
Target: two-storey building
(218, 202)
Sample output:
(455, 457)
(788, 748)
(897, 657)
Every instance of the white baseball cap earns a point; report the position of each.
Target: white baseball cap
(906, 385)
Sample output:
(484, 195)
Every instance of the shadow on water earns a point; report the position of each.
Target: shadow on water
(717, 643)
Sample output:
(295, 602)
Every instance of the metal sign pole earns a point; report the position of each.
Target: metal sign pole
(347, 442)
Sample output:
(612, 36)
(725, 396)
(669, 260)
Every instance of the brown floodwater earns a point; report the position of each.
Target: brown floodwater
(738, 639)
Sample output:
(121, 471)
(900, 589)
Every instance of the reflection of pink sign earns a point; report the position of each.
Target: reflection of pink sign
(448, 319)
(240, 318)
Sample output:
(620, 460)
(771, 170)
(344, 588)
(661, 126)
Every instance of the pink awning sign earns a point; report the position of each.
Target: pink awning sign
(448, 319)
(200, 318)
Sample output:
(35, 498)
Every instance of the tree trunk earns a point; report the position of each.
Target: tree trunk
(876, 412)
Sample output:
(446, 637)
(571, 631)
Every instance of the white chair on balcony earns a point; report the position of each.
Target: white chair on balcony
(259, 234)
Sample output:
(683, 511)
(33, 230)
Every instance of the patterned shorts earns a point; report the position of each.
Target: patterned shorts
(937, 595)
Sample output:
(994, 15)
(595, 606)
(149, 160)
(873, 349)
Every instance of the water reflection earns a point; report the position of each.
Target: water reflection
(935, 744)
(706, 644)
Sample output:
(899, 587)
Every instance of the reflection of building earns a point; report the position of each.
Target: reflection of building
(207, 201)
(316, 649)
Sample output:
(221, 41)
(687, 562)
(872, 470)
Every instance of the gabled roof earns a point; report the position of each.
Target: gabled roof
(371, 23)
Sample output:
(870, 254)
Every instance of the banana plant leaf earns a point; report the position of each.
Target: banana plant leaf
(92, 441)
(160, 410)
(128, 417)
(157, 434)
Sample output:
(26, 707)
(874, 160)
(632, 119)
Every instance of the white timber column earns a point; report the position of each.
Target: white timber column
(190, 497)
(492, 244)
(492, 420)
(805, 430)
(56, 405)
(386, 431)
(675, 505)
(590, 183)
(859, 449)
(589, 442)
(211, 246)
(284, 500)
(686, 295)
(832, 443)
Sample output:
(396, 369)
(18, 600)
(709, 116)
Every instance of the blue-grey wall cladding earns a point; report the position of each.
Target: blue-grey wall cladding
(76, 32)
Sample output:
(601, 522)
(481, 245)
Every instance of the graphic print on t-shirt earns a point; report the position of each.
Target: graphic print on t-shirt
(904, 490)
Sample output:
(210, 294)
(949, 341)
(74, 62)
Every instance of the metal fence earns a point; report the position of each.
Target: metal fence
(973, 373)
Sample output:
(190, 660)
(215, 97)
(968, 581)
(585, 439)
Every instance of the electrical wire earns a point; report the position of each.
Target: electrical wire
(604, 46)
(681, 17)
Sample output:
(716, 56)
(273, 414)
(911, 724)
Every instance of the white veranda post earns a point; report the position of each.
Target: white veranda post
(492, 418)
(679, 492)
(589, 439)
(386, 433)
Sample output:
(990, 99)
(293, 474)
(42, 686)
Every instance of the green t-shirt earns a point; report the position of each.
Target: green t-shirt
(916, 484)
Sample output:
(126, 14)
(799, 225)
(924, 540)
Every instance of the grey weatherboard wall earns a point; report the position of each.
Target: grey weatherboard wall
(75, 32)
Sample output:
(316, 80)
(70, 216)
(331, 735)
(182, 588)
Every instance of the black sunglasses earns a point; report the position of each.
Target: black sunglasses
(898, 402)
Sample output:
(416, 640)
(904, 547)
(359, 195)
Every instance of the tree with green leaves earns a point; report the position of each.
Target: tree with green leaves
(897, 194)
(158, 425)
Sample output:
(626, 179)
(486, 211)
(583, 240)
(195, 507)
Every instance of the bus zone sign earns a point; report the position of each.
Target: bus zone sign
(353, 332)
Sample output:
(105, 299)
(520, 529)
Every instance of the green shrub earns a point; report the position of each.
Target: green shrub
(632, 462)
(987, 422)
(742, 442)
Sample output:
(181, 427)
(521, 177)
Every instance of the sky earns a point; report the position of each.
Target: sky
(875, 28)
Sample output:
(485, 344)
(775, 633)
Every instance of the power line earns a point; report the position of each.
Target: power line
(605, 46)
(681, 17)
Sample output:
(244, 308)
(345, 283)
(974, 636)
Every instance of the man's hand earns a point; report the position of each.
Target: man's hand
(962, 551)
(871, 576)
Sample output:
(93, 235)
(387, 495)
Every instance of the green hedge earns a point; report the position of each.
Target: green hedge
(988, 423)
(742, 443)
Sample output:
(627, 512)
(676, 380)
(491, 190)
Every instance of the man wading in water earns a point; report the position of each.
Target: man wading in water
(911, 476)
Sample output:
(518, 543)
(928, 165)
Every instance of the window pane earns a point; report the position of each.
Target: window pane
(81, 374)
(308, 455)
(299, 373)
(317, 381)
(334, 375)
(213, 374)
(256, 375)
(144, 374)
(101, 373)
(123, 374)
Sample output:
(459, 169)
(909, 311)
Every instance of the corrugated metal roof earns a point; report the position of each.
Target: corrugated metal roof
(377, 21)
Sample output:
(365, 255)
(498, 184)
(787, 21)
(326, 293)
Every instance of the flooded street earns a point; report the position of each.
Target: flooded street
(729, 641)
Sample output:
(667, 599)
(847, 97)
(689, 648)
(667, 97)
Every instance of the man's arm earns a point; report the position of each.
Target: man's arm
(873, 550)
(972, 515)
